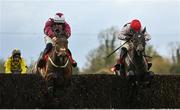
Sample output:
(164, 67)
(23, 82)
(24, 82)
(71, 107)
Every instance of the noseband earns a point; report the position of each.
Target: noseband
(57, 66)
(59, 51)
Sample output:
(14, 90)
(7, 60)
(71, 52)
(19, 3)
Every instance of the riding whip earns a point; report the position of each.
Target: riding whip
(117, 49)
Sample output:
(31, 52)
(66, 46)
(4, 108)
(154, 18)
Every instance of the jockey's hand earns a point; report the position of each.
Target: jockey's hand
(67, 34)
(128, 37)
(54, 39)
(131, 32)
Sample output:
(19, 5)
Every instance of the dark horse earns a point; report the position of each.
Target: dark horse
(58, 69)
(136, 64)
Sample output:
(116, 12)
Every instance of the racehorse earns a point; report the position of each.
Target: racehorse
(58, 69)
(135, 62)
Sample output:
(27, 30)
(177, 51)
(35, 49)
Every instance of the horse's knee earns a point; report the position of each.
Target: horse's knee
(50, 76)
(130, 73)
(150, 75)
(131, 76)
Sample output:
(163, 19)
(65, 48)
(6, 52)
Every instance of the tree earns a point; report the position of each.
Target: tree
(175, 55)
(175, 51)
(161, 65)
(31, 66)
(176, 61)
(97, 60)
(108, 41)
(76, 71)
(150, 51)
(2, 69)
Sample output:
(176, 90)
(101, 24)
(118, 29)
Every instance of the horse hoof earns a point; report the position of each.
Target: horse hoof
(56, 100)
(117, 73)
(130, 73)
(150, 75)
(50, 91)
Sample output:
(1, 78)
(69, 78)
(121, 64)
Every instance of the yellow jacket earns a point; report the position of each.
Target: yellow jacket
(10, 66)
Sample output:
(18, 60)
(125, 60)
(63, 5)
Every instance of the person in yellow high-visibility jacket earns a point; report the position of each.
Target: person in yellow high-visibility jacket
(15, 63)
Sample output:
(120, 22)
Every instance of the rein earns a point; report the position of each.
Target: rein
(57, 66)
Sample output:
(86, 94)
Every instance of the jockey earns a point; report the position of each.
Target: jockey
(53, 25)
(125, 34)
(15, 63)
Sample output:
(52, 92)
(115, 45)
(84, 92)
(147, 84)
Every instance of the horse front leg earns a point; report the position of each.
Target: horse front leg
(50, 78)
(149, 78)
(68, 75)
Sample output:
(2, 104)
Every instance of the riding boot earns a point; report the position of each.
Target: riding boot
(121, 60)
(73, 62)
(122, 70)
(119, 64)
(42, 61)
(149, 65)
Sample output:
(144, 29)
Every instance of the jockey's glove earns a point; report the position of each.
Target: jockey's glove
(67, 34)
(54, 39)
(117, 66)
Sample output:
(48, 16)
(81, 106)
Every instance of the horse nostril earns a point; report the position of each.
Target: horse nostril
(62, 49)
(63, 54)
(140, 47)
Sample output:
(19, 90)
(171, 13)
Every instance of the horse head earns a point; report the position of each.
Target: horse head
(60, 57)
(138, 41)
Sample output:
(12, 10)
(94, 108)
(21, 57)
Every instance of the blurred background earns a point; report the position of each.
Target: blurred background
(94, 24)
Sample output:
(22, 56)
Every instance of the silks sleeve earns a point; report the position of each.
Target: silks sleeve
(8, 66)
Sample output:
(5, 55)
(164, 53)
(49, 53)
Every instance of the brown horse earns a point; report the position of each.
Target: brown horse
(58, 67)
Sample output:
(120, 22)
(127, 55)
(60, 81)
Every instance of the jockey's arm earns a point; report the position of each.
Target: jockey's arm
(23, 66)
(7, 66)
(67, 30)
(48, 29)
(122, 37)
(123, 34)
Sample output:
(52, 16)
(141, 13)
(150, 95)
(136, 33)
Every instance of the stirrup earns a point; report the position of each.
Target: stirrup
(122, 70)
(74, 64)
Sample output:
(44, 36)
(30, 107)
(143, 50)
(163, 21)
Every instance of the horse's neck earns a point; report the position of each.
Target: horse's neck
(136, 60)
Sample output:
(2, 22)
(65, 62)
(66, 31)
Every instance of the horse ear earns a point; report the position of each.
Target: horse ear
(144, 30)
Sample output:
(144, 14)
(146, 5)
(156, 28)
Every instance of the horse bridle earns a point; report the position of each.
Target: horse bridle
(58, 53)
(57, 66)
(130, 40)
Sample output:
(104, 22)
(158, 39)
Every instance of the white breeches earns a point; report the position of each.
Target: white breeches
(47, 40)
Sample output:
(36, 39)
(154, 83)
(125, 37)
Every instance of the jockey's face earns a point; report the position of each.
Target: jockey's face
(16, 57)
(132, 32)
(59, 23)
(58, 27)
